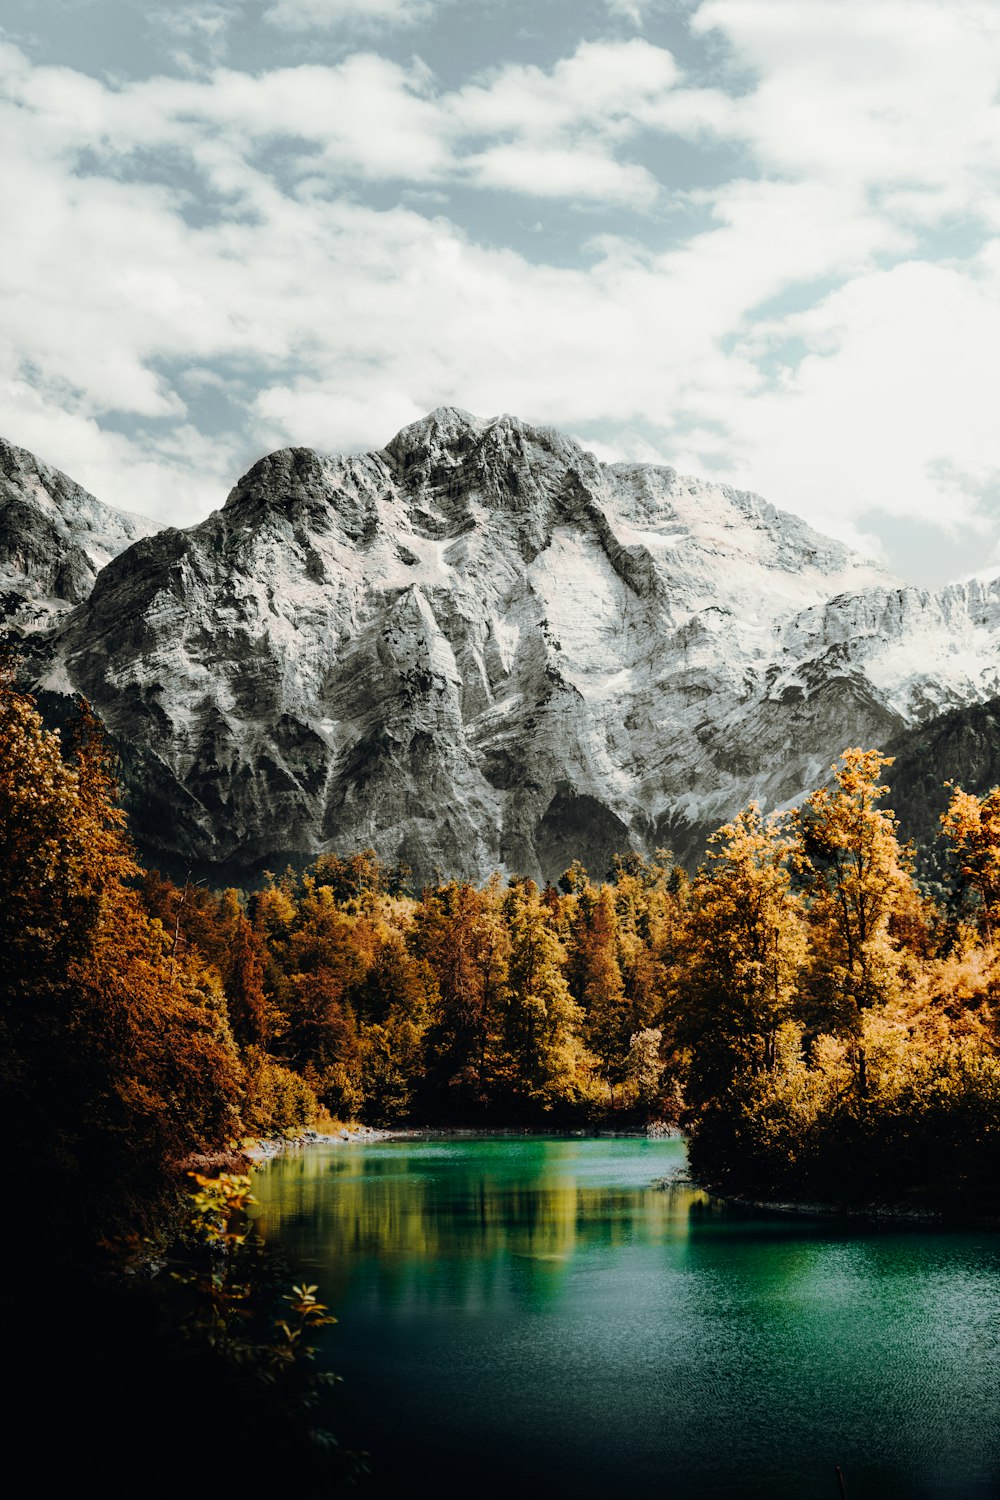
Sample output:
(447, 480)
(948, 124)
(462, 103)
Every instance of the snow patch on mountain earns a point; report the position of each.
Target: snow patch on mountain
(481, 648)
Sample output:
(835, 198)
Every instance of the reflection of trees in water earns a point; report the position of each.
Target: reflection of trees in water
(689, 1202)
(415, 1228)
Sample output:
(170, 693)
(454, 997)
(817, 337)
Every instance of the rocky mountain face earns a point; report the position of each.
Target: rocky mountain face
(480, 648)
(54, 540)
(962, 745)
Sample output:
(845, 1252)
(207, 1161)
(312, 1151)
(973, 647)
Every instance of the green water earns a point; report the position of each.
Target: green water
(533, 1317)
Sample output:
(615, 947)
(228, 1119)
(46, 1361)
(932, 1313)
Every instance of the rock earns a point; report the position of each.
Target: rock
(54, 540)
(481, 648)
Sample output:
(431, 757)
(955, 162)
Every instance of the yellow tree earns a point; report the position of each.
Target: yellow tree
(115, 1060)
(747, 944)
(972, 827)
(457, 932)
(543, 1058)
(857, 875)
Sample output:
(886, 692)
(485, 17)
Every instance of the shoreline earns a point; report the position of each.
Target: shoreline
(269, 1147)
(877, 1215)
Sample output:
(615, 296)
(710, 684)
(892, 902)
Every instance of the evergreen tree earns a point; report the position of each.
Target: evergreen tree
(457, 933)
(243, 974)
(610, 1020)
(544, 1062)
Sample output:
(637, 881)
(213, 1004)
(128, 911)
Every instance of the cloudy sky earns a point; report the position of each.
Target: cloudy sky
(755, 239)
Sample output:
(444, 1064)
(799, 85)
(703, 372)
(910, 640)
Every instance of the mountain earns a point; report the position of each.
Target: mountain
(480, 647)
(54, 540)
(963, 746)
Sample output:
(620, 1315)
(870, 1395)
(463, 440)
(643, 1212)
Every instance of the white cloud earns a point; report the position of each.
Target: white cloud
(189, 30)
(798, 340)
(882, 93)
(175, 478)
(332, 419)
(893, 407)
(636, 11)
(520, 129)
(551, 172)
(305, 15)
(605, 86)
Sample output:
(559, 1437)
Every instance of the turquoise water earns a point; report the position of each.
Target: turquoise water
(533, 1316)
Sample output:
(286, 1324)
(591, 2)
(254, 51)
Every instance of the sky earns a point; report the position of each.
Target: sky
(757, 240)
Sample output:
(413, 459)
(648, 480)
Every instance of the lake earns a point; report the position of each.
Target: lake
(539, 1317)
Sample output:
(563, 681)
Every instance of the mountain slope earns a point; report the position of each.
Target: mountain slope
(962, 746)
(54, 540)
(479, 648)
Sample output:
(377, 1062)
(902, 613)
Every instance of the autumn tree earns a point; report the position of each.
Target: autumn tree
(116, 1058)
(353, 876)
(458, 932)
(243, 973)
(857, 875)
(747, 945)
(972, 826)
(543, 1061)
(609, 1018)
(644, 1068)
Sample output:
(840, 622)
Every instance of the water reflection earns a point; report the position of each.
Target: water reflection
(539, 1311)
(524, 1208)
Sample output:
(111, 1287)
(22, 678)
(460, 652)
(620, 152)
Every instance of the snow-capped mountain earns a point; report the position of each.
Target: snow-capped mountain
(54, 540)
(480, 648)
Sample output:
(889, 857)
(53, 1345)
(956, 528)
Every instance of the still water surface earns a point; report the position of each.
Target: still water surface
(534, 1317)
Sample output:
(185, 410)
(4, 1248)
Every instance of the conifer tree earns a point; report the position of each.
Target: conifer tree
(544, 1060)
(456, 932)
(610, 1021)
(243, 974)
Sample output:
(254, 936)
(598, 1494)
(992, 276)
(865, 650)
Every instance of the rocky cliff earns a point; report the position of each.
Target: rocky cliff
(54, 540)
(963, 746)
(479, 648)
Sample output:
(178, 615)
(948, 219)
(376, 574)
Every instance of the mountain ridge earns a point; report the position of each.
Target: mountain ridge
(479, 647)
(55, 537)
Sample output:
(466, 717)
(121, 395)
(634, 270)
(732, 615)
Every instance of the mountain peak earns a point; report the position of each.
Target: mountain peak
(445, 427)
(480, 648)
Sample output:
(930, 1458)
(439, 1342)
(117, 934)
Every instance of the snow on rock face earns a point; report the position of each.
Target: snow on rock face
(54, 540)
(482, 648)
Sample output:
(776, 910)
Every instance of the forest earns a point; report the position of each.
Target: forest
(819, 1024)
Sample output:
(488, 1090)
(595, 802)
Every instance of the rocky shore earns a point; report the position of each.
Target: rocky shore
(881, 1214)
(884, 1215)
(272, 1146)
(348, 1135)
